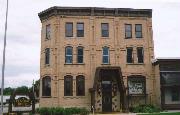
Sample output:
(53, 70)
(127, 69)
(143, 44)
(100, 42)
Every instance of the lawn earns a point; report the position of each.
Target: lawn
(171, 113)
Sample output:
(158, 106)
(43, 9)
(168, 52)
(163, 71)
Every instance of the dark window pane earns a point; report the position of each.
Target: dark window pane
(175, 95)
(47, 56)
(128, 31)
(140, 55)
(105, 59)
(80, 55)
(80, 86)
(105, 30)
(69, 30)
(105, 51)
(68, 55)
(170, 78)
(80, 29)
(129, 57)
(68, 86)
(46, 86)
(138, 29)
(48, 31)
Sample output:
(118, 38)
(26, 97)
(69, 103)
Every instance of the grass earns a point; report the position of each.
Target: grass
(169, 113)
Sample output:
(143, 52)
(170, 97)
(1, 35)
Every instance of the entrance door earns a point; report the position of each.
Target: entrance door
(106, 96)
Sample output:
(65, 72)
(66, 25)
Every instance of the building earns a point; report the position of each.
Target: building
(99, 58)
(167, 77)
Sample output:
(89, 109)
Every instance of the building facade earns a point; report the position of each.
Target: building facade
(99, 58)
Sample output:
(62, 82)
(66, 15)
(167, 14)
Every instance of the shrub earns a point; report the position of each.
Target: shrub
(62, 111)
(145, 109)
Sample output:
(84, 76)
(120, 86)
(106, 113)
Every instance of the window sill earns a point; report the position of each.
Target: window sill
(135, 64)
(73, 97)
(74, 64)
(105, 64)
(139, 37)
(128, 38)
(105, 37)
(47, 65)
(47, 39)
(45, 96)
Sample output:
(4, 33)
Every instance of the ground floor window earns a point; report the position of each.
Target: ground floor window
(136, 84)
(80, 86)
(68, 86)
(46, 86)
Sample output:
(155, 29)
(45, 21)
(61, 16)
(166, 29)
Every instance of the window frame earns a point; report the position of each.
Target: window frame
(77, 30)
(80, 77)
(46, 88)
(106, 30)
(105, 55)
(67, 55)
(137, 78)
(66, 29)
(140, 57)
(138, 31)
(71, 85)
(127, 55)
(126, 31)
(47, 56)
(78, 55)
(48, 31)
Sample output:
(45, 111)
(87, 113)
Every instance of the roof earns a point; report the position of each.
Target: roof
(94, 11)
(165, 59)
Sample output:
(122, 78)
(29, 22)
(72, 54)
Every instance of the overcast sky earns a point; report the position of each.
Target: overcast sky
(23, 34)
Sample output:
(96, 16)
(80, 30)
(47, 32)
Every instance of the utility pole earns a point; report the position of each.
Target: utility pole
(4, 55)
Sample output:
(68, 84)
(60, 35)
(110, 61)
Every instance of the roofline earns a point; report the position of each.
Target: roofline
(167, 59)
(95, 11)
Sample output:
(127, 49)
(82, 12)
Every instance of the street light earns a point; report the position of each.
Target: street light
(4, 55)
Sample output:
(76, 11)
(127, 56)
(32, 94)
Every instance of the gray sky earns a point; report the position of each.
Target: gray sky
(23, 35)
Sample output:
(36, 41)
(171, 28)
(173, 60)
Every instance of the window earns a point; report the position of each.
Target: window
(69, 55)
(140, 55)
(79, 54)
(69, 29)
(80, 86)
(128, 31)
(46, 86)
(175, 95)
(129, 55)
(80, 29)
(104, 29)
(136, 85)
(48, 31)
(138, 30)
(68, 86)
(105, 55)
(47, 56)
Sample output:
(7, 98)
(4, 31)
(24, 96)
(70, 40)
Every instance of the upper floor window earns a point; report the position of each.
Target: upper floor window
(80, 54)
(80, 86)
(48, 31)
(105, 55)
(140, 55)
(68, 86)
(129, 55)
(47, 56)
(80, 29)
(104, 29)
(138, 30)
(128, 31)
(68, 54)
(46, 86)
(69, 29)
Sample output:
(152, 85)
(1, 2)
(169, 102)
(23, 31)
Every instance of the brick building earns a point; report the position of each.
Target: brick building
(97, 58)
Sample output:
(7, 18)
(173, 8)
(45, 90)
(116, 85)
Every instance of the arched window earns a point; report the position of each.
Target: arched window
(47, 56)
(80, 86)
(105, 57)
(68, 54)
(46, 86)
(80, 54)
(68, 86)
